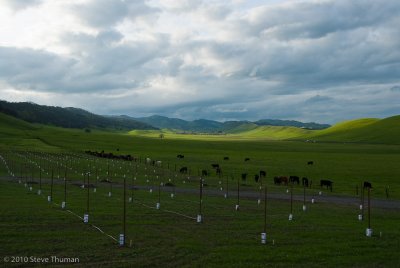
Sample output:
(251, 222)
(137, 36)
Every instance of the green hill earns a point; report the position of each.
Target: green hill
(368, 130)
(274, 132)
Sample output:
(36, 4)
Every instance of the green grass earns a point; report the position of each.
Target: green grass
(327, 235)
(324, 236)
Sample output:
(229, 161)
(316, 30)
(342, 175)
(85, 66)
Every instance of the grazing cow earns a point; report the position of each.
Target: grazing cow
(244, 176)
(310, 163)
(180, 156)
(281, 180)
(215, 165)
(204, 173)
(256, 178)
(226, 158)
(247, 159)
(367, 184)
(305, 182)
(294, 179)
(183, 170)
(263, 174)
(327, 183)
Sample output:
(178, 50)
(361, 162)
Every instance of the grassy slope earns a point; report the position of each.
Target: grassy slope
(368, 130)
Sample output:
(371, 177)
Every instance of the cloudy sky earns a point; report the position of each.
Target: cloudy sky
(322, 61)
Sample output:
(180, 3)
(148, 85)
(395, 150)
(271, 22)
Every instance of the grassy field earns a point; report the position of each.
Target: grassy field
(326, 235)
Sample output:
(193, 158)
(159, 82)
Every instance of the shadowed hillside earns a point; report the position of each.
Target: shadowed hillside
(67, 117)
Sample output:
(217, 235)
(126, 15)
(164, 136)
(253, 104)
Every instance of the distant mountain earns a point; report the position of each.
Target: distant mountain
(290, 123)
(203, 125)
(67, 117)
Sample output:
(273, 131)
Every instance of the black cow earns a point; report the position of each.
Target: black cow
(310, 163)
(180, 156)
(204, 172)
(256, 178)
(305, 182)
(226, 158)
(327, 183)
(215, 165)
(280, 180)
(183, 170)
(218, 170)
(294, 179)
(367, 184)
(263, 174)
(247, 159)
(244, 176)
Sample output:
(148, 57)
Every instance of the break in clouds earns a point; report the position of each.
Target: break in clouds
(322, 61)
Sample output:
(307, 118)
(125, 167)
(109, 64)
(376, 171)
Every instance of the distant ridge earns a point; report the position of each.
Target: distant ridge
(203, 125)
(67, 117)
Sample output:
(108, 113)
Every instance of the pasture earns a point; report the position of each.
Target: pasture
(326, 234)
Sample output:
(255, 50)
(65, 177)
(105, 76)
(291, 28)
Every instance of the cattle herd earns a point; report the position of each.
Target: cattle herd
(278, 180)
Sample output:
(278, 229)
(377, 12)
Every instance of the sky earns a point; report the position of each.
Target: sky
(312, 61)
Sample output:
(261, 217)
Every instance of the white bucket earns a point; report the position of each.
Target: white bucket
(39, 192)
(287, 190)
(199, 218)
(130, 200)
(121, 239)
(85, 218)
(237, 207)
(49, 198)
(312, 200)
(225, 196)
(30, 188)
(151, 190)
(94, 190)
(263, 238)
(290, 217)
(172, 195)
(304, 207)
(109, 194)
(320, 193)
(259, 201)
(63, 205)
(360, 217)
(368, 232)
(220, 188)
(158, 206)
(361, 207)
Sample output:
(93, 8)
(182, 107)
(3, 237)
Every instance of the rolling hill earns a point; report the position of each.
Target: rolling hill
(67, 117)
(368, 130)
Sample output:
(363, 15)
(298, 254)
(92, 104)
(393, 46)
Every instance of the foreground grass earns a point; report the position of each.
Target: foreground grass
(324, 236)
